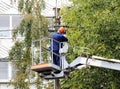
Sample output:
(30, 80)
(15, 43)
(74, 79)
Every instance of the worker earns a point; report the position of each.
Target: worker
(56, 39)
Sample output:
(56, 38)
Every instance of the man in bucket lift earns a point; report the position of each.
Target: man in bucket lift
(56, 39)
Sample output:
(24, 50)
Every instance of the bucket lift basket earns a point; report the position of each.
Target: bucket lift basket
(42, 59)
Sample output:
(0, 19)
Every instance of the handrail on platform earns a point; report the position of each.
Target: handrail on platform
(41, 52)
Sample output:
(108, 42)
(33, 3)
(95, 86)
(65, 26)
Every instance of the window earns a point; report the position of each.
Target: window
(4, 70)
(4, 21)
(4, 26)
(15, 20)
(4, 32)
(7, 22)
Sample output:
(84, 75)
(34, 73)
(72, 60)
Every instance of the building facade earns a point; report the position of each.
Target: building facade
(7, 22)
(10, 18)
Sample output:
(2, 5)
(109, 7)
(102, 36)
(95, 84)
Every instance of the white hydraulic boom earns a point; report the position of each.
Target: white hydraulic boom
(97, 62)
(52, 71)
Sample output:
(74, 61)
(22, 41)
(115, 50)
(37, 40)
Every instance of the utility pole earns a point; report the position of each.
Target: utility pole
(56, 84)
(57, 22)
(56, 17)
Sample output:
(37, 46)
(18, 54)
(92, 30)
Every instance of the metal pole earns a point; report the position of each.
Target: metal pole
(56, 84)
(56, 81)
(32, 50)
(41, 51)
(56, 10)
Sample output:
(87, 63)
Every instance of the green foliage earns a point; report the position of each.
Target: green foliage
(17, 51)
(33, 26)
(91, 78)
(95, 29)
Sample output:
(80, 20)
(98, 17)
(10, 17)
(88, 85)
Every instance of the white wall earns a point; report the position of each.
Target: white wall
(5, 46)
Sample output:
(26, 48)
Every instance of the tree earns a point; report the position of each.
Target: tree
(94, 28)
(33, 26)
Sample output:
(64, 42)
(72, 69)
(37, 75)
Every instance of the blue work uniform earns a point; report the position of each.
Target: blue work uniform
(56, 38)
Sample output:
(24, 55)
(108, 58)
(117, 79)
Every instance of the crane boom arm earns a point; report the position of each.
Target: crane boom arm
(97, 62)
